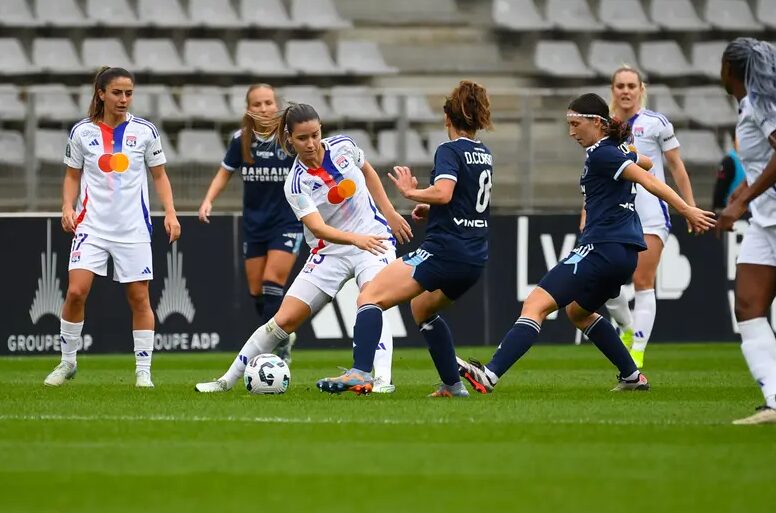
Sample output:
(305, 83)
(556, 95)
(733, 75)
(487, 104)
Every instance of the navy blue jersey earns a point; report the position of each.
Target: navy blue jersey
(609, 201)
(458, 231)
(265, 209)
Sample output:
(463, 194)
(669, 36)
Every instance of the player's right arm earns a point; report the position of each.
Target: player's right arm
(315, 223)
(70, 188)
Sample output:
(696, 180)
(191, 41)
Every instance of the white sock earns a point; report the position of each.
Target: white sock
(491, 375)
(263, 340)
(644, 309)
(759, 348)
(620, 311)
(144, 349)
(70, 339)
(384, 353)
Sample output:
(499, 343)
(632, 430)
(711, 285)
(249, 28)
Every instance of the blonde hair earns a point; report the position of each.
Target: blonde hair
(643, 85)
(248, 125)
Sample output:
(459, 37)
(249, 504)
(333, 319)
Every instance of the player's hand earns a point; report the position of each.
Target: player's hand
(399, 227)
(68, 219)
(403, 179)
(372, 243)
(699, 220)
(732, 213)
(204, 211)
(172, 227)
(420, 212)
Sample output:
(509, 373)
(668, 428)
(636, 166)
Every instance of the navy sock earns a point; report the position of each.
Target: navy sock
(605, 338)
(258, 302)
(440, 345)
(514, 345)
(366, 336)
(273, 296)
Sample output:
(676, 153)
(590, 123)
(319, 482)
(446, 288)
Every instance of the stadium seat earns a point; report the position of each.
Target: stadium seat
(435, 138)
(707, 57)
(161, 98)
(54, 102)
(266, 13)
(417, 105)
(572, 15)
(169, 150)
(560, 59)
(470, 57)
(106, 52)
(311, 57)
(311, 95)
(606, 56)
(518, 15)
(200, 146)
(12, 148)
(50, 145)
(766, 14)
(699, 147)
(261, 58)
(57, 55)
(158, 56)
(60, 13)
(362, 58)
(13, 60)
(317, 14)
(664, 59)
(208, 56)
(387, 141)
(214, 13)
(678, 15)
(660, 99)
(12, 108)
(111, 13)
(356, 103)
(709, 106)
(16, 13)
(205, 103)
(400, 12)
(363, 141)
(162, 13)
(236, 97)
(732, 15)
(625, 16)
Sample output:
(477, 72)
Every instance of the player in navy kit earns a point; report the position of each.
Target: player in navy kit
(607, 252)
(451, 257)
(272, 234)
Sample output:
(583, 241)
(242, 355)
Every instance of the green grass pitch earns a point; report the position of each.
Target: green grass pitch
(551, 438)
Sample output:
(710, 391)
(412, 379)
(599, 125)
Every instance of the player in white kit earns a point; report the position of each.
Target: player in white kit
(748, 71)
(107, 156)
(336, 194)
(653, 136)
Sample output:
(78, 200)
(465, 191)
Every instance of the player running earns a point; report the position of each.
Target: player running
(272, 235)
(336, 194)
(607, 252)
(653, 136)
(748, 70)
(106, 157)
(452, 256)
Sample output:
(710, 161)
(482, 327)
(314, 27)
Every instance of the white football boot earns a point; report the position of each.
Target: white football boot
(143, 379)
(60, 374)
(382, 386)
(219, 385)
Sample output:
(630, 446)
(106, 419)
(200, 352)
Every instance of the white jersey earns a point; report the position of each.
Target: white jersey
(755, 151)
(337, 190)
(653, 135)
(113, 203)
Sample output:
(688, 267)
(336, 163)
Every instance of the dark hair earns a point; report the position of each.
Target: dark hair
(592, 105)
(468, 107)
(248, 123)
(105, 76)
(753, 62)
(281, 126)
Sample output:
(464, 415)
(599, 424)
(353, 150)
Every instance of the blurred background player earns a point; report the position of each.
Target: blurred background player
(729, 176)
(271, 233)
(653, 136)
(335, 192)
(452, 256)
(607, 252)
(748, 71)
(107, 155)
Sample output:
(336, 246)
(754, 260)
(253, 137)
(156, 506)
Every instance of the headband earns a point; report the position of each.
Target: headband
(572, 114)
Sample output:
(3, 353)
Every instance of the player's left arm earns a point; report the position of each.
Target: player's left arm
(440, 193)
(680, 175)
(164, 190)
(399, 226)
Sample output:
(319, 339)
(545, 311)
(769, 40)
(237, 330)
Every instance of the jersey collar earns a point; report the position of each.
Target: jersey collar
(590, 149)
(633, 118)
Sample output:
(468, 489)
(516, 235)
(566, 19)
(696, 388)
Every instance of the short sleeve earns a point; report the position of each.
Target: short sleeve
(233, 157)
(299, 196)
(668, 140)
(767, 125)
(356, 153)
(611, 160)
(154, 154)
(73, 155)
(446, 164)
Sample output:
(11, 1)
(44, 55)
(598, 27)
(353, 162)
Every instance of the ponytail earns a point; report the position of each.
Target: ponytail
(104, 76)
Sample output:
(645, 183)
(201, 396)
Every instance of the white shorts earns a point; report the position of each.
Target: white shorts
(661, 231)
(758, 246)
(328, 273)
(132, 261)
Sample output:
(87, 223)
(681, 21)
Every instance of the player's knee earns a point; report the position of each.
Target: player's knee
(747, 309)
(420, 310)
(644, 281)
(581, 319)
(77, 294)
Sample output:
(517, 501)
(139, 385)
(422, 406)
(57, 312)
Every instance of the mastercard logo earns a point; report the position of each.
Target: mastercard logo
(109, 162)
(342, 191)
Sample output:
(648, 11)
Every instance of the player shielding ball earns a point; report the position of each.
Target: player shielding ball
(607, 252)
(107, 155)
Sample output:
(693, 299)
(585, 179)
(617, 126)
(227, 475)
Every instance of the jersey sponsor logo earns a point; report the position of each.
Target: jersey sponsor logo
(478, 158)
(666, 139)
(342, 161)
(157, 152)
(175, 296)
(280, 153)
(628, 206)
(638, 131)
(67, 150)
(94, 142)
(131, 141)
(264, 174)
(471, 223)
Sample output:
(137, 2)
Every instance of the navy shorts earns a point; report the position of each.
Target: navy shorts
(591, 274)
(436, 273)
(289, 241)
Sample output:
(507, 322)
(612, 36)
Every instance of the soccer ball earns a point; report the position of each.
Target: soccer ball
(267, 374)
